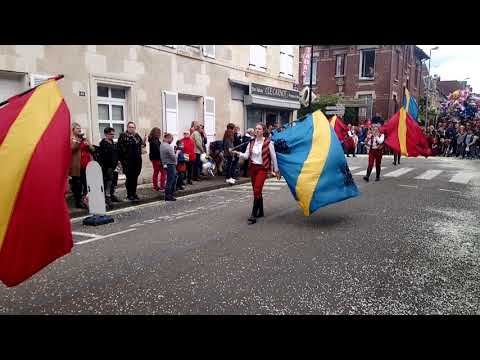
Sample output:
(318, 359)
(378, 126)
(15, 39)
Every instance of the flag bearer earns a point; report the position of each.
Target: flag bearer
(374, 143)
(262, 159)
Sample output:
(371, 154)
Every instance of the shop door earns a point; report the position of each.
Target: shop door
(271, 118)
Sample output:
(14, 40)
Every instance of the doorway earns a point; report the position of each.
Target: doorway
(187, 112)
(271, 118)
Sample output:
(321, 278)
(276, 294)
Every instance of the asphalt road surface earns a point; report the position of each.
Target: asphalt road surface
(410, 244)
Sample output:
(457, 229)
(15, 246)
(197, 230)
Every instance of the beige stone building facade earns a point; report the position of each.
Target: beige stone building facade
(161, 85)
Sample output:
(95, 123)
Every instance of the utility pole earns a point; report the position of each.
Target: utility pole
(311, 78)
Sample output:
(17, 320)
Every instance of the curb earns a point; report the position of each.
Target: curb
(124, 204)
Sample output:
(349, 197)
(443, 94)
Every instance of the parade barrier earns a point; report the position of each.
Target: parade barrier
(96, 196)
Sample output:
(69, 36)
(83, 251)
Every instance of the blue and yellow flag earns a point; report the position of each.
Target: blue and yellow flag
(410, 105)
(311, 159)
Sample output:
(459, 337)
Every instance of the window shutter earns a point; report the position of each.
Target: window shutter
(36, 79)
(209, 118)
(262, 57)
(170, 111)
(253, 53)
(209, 51)
(283, 61)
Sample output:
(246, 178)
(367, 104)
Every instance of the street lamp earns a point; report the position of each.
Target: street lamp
(429, 82)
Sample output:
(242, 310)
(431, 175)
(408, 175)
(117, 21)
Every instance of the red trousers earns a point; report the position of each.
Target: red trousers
(375, 155)
(158, 168)
(258, 174)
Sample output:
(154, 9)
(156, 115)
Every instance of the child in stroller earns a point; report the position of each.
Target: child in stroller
(216, 154)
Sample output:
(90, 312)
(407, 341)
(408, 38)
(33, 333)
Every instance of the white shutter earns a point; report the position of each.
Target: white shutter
(261, 57)
(283, 61)
(36, 79)
(209, 51)
(170, 113)
(289, 65)
(286, 60)
(253, 56)
(209, 118)
(289, 60)
(258, 57)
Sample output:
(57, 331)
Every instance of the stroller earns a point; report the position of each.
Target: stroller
(208, 166)
(215, 151)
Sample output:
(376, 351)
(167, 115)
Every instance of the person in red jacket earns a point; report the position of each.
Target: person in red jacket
(189, 151)
(86, 151)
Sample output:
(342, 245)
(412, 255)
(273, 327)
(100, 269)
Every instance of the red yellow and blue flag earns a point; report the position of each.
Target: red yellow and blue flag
(410, 105)
(405, 136)
(35, 156)
(311, 159)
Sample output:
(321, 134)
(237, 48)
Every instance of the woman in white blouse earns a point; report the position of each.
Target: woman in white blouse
(262, 160)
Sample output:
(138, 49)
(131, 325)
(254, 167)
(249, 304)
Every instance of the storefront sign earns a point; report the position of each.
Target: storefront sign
(270, 91)
(306, 61)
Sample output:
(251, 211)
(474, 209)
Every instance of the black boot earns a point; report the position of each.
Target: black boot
(366, 177)
(252, 219)
(377, 178)
(260, 208)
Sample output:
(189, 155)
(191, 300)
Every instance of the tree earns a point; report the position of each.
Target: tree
(432, 112)
(320, 103)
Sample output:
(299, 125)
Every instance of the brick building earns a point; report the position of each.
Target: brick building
(369, 77)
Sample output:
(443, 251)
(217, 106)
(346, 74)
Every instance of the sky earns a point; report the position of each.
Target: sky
(456, 62)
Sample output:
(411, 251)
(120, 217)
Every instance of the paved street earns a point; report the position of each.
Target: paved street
(410, 244)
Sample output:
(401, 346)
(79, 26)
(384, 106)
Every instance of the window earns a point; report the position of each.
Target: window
(416, 73)
(367, 113)
(284, 117)
(254, 116)
(11, 84)
(209, 51)
(398, 64)
(111, 105)
(367, 64)
(306, 79)
(286, 61)
(258, 57)
(340, 65)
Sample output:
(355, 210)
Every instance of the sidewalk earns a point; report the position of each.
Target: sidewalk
(147, 195)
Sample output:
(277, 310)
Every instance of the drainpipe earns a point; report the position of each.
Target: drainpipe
(391, 82)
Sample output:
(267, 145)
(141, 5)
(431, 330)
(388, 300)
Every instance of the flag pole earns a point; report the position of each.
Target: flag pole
(56, 78)
(311, 78)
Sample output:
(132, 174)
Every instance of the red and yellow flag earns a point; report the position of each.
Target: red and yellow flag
(35, 156)
(405, 136)
(339, 127)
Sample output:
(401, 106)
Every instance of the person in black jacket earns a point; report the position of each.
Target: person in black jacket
(228, 139)
(249, 136)
(108, 160)
(130, 146)
(237, 140)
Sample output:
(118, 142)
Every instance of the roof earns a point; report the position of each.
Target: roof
(446, 87)
(421, 54)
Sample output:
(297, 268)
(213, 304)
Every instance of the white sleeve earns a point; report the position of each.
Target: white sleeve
(246, 154)
(273, 156)
(381, 138)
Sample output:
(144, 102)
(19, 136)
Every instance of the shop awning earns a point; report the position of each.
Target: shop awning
(271, 102)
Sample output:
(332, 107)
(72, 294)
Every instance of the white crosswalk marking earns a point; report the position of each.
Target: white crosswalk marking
(462, 177)
(352, 168)
(399, 172)
(364, 172)
(265, 187)
(428, 175)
